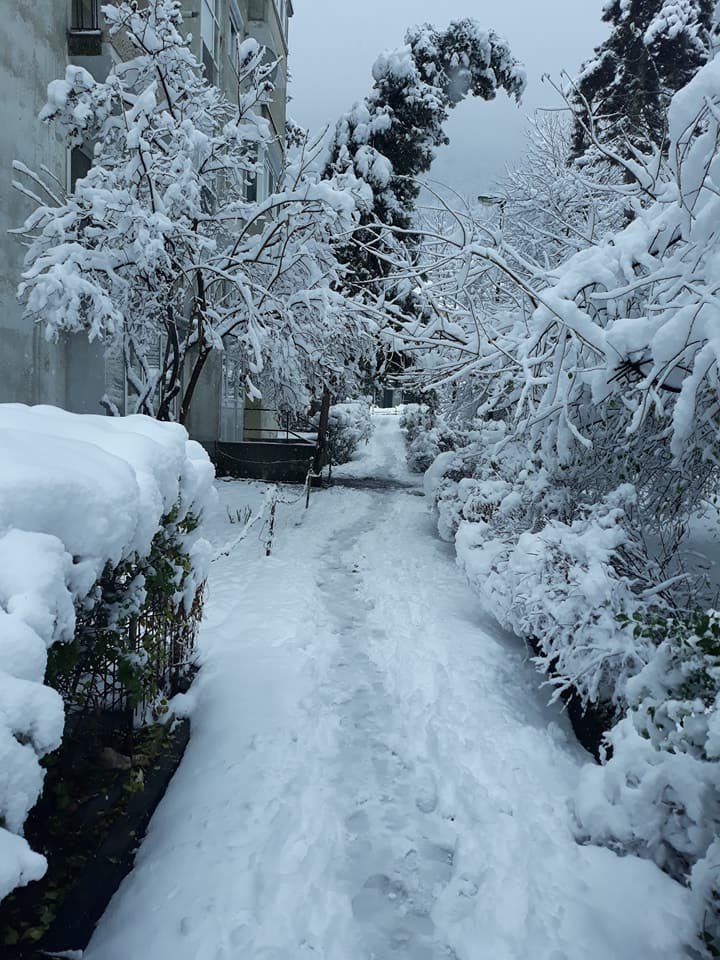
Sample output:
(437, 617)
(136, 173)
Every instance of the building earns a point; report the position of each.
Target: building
(41, 39)
(35, 51)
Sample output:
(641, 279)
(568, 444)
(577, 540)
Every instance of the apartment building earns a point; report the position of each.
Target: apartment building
(33, 52)
(42, 37)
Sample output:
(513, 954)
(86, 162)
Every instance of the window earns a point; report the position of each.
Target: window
(271, 57)
(236, 36)
(80, 163)
(251, 187)
(210, 33)
(84, 36)
(85, 16)
(281, 8)
(233, 397)
(272, 172)
(154, 347)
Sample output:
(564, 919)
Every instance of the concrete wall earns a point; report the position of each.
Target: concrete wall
(32, 52)
(204, 421)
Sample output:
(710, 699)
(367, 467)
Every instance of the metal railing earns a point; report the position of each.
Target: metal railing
(276, 432)
(85, 16)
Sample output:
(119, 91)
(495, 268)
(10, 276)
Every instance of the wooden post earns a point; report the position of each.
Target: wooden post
(308, 484)
(322, 433)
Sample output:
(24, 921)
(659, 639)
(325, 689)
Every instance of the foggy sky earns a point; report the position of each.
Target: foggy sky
(333, 44)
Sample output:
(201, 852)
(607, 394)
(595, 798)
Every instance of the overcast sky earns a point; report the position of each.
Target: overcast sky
(333, 44)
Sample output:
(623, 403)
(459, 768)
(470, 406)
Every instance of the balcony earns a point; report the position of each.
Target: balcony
(84, 36)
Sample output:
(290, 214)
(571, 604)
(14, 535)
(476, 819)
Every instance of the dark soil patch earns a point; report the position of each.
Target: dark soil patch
(589, 723)
(90, 820)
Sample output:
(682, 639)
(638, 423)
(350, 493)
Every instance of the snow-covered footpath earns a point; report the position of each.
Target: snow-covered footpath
(372, 772)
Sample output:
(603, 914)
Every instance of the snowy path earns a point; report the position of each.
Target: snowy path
(372, 772)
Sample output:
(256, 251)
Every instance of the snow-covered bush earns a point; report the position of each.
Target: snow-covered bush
(428, 435)
(592, 387)
(548, 569)
(428, 445)
(349, 426)
(659, 794)
(80, 496)
(416, 418)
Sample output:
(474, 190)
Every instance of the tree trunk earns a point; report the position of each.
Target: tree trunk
(192, 385)
(322, 432)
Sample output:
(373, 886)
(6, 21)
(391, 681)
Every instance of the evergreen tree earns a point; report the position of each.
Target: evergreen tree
(654, 49)
(392, 134)
(385, 142)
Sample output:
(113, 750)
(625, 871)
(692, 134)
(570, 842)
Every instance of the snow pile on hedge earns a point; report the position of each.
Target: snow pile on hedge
(659, 793)
(543, 575)
(428, 434)
(595, 385)
(76, 493)
(350, 425)
(577, 579)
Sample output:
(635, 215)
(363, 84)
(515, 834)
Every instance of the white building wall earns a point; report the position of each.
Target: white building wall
(32, 52)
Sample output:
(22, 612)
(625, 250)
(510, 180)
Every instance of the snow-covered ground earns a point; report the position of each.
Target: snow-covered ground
(372, 772)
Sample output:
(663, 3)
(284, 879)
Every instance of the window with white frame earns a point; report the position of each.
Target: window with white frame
(236, 35)
(210, 33)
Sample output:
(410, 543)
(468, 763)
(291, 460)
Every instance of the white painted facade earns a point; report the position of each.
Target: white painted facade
(40, 39)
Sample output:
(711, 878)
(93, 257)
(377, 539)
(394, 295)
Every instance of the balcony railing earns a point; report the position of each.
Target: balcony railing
(85, 16)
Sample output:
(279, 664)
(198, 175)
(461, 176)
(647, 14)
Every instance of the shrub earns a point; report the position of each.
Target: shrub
(428, 435)
(578, 579)
(98, 556)
(349, 426)
(659, 794)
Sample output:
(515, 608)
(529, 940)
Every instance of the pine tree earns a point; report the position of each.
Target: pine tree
(390, 137)
(386, 141)
(654, 49)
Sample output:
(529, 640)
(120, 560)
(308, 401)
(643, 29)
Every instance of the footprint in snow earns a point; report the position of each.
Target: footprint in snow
(426, 799)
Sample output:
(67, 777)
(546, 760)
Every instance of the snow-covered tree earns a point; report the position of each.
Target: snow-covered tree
(655, 47)
(388, 140)
(390, 137)
(552, 209)
(159, 252)
(591, 391)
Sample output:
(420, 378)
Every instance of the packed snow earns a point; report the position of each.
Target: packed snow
(373, 771)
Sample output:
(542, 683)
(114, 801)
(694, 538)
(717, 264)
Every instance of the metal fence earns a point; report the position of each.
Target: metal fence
(286, 427)
(127, 668)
